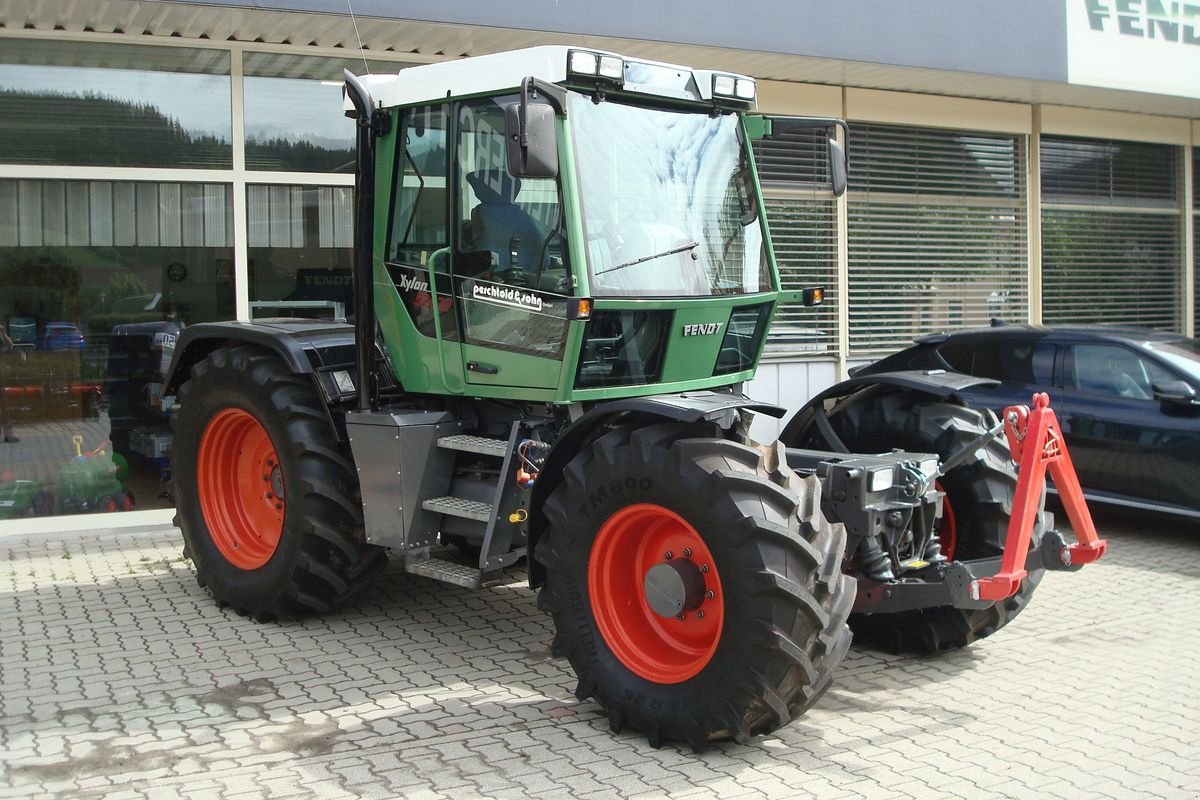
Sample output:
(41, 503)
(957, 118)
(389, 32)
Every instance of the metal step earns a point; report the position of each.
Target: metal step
(459, 507)
(445, 571)
(474, 444)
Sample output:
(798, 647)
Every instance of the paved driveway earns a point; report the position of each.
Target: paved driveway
(120, 678)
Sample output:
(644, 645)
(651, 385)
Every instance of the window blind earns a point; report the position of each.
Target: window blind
(937, 233)
(1111, 233)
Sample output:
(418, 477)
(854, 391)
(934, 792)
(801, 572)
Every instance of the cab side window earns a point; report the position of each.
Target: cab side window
(418, 232)
(418, 226)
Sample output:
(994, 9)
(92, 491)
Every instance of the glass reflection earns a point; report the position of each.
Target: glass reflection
(301, 242)
(98, 280)
(115, 106)
(294, 113)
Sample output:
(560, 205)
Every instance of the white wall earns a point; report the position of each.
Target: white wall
(789, 384)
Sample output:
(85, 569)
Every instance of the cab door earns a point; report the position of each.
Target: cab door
(511, 274)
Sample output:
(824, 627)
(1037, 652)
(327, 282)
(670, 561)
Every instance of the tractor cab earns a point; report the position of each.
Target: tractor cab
(568, 225)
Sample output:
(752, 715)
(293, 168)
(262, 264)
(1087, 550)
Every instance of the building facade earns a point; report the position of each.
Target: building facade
(168, 163)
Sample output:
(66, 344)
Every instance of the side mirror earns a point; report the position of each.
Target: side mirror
(837, 167)
(1175, 393)
(532, 148)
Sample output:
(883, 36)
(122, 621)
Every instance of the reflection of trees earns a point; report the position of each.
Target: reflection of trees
(90, 129)
(1108, 267)
(282, 154)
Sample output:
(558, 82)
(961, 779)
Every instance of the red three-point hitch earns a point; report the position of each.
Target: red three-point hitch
(1037, 446)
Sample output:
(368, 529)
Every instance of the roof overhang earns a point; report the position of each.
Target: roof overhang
(413, 41)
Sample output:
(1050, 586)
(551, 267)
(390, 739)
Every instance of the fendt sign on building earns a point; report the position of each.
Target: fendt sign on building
(1140, 45)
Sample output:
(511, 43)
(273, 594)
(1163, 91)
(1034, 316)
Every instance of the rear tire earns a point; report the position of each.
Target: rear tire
(979, 494)
(775, 627)
(267, 498)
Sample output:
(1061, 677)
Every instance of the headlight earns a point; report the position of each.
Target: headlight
(612, 67)
(582, 62)
(745, 89)
(881, 479)
(928, 467)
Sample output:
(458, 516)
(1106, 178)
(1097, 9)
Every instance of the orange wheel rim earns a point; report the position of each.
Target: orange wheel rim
(241, 488)
(947, 528)
(661, 648)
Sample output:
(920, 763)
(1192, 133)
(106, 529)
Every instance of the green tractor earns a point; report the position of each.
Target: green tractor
(563, 277)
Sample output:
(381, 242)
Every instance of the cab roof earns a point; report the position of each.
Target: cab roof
(499, 72)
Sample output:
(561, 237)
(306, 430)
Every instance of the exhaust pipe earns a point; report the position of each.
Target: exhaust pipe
(364, 237)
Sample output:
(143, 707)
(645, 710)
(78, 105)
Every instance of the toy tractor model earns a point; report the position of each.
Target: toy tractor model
(563, 277)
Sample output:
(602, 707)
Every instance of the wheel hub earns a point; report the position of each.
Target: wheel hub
(276, 479)
(674, 587)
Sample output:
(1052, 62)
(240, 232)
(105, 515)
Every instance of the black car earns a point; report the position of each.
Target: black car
(1127, 399)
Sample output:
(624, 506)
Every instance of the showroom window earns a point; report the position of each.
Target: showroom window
(1111, 233)
(301, 241)
(294, 114)
(937, 233)
(99, 278)
(114, 105)
(793, 168)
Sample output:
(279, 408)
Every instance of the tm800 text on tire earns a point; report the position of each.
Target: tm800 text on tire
(695, 584)
(268, 499)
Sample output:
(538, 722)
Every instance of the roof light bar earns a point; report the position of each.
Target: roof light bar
(733, 86)
(585, 63)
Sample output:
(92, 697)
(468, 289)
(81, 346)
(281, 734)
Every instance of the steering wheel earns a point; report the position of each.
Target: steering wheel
(514, 277)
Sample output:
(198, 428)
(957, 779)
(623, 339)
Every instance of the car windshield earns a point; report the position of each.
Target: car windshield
(667, 201)
(1183, 354)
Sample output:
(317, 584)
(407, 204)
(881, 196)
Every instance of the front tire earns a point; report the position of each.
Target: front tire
(267, 498)
(762, 625)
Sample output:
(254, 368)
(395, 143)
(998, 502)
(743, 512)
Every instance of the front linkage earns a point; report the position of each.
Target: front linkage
(889, 504)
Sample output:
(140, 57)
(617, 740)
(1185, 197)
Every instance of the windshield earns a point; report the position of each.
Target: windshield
(667, 201)
(1183, 354)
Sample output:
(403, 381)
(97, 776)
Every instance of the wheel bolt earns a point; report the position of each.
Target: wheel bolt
(699, 615)
(680, 617)
(687, 552)
(709, 595)
(668, 555)
(704, 567)
(279, 505)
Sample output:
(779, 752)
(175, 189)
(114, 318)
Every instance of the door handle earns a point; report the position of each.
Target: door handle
(483, 369)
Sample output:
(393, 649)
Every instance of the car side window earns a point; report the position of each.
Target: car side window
(958, 355)
(1117, 371)
(1009, 361)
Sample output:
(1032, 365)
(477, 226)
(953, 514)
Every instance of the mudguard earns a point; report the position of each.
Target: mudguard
(721, 408)
(936, 383)
(298, 343)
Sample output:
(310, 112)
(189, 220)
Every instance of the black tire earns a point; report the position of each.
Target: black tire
(779, 564)
(321, 559)
(980, 491)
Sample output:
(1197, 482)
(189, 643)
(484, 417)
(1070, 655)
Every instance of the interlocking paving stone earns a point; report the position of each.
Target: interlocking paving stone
(119, 678)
